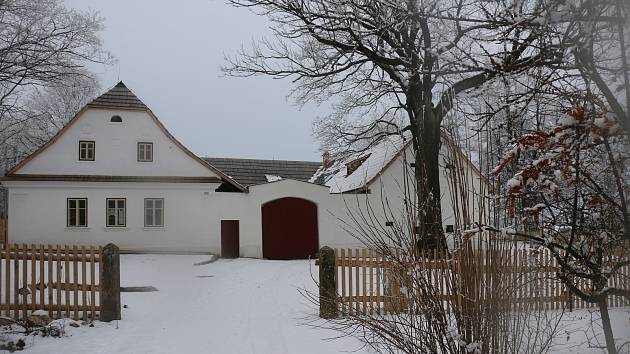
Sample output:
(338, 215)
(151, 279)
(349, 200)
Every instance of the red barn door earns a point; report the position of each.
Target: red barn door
(289, 229)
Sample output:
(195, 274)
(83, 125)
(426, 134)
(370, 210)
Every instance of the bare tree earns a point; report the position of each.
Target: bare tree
(44, 112)
(43, 46)
(578, 171)
(466, 303)
(599, 32)
(396, 66)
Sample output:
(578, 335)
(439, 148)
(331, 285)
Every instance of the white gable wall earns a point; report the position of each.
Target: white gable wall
(116, 149)
(389, 186)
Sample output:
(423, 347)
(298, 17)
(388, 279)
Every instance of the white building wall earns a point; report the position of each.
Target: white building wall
(193, 212)
(247, 208)
(37, 214)
(391, 186)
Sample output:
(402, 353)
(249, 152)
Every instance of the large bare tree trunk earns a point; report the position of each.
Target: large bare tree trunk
(608, 333)
(426, 141)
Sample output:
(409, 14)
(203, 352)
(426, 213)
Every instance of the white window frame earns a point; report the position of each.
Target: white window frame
(117, 212)
(87, 147)
(145, 151)
(77, 212)
(154, 211)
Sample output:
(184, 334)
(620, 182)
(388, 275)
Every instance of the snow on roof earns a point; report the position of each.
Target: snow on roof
(273, 178)
(377, 157)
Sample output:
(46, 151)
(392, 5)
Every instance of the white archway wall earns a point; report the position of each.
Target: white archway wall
(332, 211)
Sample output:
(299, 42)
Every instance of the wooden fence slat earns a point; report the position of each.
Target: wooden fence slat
(336, 253)
(75, 281)
(343, 277)
(42, 277)
(435, 274)
(50, 281)
(371, 282)
(379, 262)
(357, 282)
(364, 275)
(93, 285)
(16, 283)
(519, 278)
(67, 287)
(33, 285)
(7, 279)
(24, 288)
(396, 286)
(350, 292)
(616, 282)
(547, 291)
(627, 275)
(552, 282)
(100, 278)
(626, 272)
(83, 283)
(59, 288)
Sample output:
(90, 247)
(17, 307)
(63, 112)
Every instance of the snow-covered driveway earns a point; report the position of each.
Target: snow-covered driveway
(230, 306)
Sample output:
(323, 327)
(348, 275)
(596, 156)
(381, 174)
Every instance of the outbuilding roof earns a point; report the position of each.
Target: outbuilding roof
(119, 96)
(357, 171)
(249, 172)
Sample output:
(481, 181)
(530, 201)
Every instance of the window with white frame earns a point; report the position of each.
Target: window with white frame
(86, 150)
(145, 152)
(154, 212)
(77, 212)
(116, 212)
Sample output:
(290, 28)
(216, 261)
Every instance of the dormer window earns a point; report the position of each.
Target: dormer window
(86, 150)
(145, 152)
(116, 119)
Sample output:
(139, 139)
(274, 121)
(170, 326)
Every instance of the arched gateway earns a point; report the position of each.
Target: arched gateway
(289, 229)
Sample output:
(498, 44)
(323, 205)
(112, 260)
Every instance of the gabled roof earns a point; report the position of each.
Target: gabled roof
(119, 96)
(249, 172)
(373, 162)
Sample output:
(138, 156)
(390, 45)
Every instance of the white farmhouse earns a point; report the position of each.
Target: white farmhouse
(115, 174)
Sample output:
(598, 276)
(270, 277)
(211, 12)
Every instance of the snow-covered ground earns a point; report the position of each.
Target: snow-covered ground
(229, 306)
(236, 306)
(580, 332)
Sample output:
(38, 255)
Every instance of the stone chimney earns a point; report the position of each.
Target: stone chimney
(354, 164)
(326, 161)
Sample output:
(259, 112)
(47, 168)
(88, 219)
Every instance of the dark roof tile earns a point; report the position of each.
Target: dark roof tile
(250, 172)
(119, 96)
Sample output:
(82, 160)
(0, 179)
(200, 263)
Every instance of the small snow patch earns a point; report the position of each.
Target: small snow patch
(273, 178)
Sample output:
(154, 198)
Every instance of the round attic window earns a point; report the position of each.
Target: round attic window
(116, 119)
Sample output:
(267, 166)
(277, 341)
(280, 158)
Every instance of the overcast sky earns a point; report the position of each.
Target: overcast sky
(169, 54)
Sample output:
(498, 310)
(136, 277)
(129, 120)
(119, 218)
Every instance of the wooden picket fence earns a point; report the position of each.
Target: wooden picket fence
(366, 282)
(62, 280)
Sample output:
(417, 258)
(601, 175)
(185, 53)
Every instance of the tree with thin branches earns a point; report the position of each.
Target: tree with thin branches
(392, 67)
